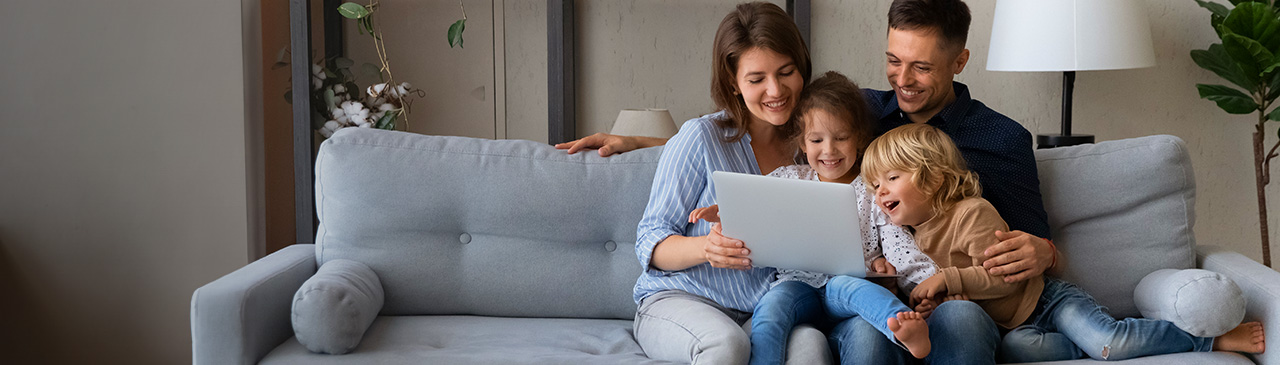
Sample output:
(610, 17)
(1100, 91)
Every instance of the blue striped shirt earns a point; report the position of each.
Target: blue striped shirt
(681, 184)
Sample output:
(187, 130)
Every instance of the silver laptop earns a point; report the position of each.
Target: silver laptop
(793, 224)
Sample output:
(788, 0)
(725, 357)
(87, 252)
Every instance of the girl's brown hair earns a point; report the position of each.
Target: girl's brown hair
(937, 169)
(750, 25)
(842, 99)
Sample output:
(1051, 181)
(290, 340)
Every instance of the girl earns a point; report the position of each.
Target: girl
(921, 182)
(835, 128)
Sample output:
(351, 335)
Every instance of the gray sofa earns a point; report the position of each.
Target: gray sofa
(513, 252)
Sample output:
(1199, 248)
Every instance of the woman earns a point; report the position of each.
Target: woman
(699, 287)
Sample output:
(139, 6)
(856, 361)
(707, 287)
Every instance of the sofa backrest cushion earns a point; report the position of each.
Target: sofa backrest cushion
(1120, 210)
(455, 225)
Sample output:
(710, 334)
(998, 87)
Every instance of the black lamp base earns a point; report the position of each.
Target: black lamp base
(1057, 140)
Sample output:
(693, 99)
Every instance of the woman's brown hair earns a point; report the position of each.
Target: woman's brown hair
(756, 24)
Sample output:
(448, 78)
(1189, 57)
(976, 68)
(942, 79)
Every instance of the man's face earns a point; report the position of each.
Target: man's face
(920, 71)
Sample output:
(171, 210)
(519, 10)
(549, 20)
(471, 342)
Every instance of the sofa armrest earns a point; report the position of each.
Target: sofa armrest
(1260, 284)
(242, 316)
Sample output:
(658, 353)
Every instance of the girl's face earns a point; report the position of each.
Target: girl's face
(830, 146)
(769, 83)
(901, 200)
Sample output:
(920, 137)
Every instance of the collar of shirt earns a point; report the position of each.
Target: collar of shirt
(951, 114)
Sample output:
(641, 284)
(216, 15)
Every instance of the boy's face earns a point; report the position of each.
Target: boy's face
(830, 146)
(920, 70)
(905, 204)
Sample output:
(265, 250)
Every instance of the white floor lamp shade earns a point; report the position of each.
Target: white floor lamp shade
(1068, 36)
(644, 122)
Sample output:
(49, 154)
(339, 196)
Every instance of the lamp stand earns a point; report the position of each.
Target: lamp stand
(1066, 138)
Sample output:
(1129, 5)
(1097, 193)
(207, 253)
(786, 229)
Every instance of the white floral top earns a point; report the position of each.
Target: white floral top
(879, 238)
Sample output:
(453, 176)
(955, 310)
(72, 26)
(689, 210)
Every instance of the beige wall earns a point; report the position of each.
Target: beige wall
(656, 54)
(124, 182)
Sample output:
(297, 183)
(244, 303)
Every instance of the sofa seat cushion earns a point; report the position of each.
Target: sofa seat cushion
(1189, 358)
(480, 340)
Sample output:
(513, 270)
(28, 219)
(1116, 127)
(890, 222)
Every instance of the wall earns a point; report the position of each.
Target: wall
(126, 182)
(657, 54)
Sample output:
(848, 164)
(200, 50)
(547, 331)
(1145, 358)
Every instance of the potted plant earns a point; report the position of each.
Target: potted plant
(1248, 56)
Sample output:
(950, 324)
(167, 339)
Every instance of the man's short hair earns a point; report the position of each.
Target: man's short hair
(948, 17)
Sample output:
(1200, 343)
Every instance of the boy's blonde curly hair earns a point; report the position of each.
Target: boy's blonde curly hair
(937, 169)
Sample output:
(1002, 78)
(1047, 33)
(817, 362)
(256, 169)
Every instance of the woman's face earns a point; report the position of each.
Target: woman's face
(770, 85)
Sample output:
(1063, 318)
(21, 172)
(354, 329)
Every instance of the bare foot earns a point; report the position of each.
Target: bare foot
(911, 329)
(1247, 337)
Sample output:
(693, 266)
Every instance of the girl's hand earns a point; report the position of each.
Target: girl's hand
(725, 252)
(881, 266)
(607, 144)
(709, 214)
(930, 289)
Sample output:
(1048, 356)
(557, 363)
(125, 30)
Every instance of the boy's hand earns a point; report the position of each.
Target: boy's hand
(709, 214)
(925, 308)
(881, 266)
(930, 289)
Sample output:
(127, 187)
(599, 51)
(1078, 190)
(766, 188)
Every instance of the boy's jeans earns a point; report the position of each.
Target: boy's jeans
(792, 302)
(1069, 324)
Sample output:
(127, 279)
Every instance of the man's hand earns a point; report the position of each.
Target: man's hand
(725, 252)
(607, 144)
(931, 289)
(1018, 256)
(709, 214)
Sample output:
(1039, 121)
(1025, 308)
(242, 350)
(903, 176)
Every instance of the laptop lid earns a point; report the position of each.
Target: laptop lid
(792, 224)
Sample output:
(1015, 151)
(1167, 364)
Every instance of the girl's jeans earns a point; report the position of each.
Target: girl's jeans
(1069, 324)
(792, 302)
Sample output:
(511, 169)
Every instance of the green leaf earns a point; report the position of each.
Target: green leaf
(353, 10)
(1231, 100)
(346, 74)
(455, 33)
(1216, 59)
(1273, 88)
(1274, 115)
(1250, 55)
(330, 101)
(280, 55)
(343, 62)
(1255, 21)
(388, 120)
(371, 70)
(288, 96)
(1216, 8)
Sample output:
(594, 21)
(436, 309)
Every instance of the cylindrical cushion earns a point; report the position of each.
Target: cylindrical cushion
(332, 309)
(1203, 303)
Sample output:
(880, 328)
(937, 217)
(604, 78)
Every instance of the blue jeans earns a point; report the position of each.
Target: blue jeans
(960, 332)
(849, 297)
(1069, 324)
(784, 306)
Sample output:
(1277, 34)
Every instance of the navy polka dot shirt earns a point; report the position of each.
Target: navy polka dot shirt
(997, 148)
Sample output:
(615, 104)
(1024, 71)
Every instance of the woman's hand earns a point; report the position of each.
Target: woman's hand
(1018, 256)
(709, 214)
(725, 252)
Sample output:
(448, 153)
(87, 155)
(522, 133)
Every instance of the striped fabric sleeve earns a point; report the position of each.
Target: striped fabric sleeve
(677, 185)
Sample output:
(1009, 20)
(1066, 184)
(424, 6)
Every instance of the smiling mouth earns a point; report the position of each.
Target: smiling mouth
(908, 93)
(830, 163)
(776, 104)
(890, 205)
